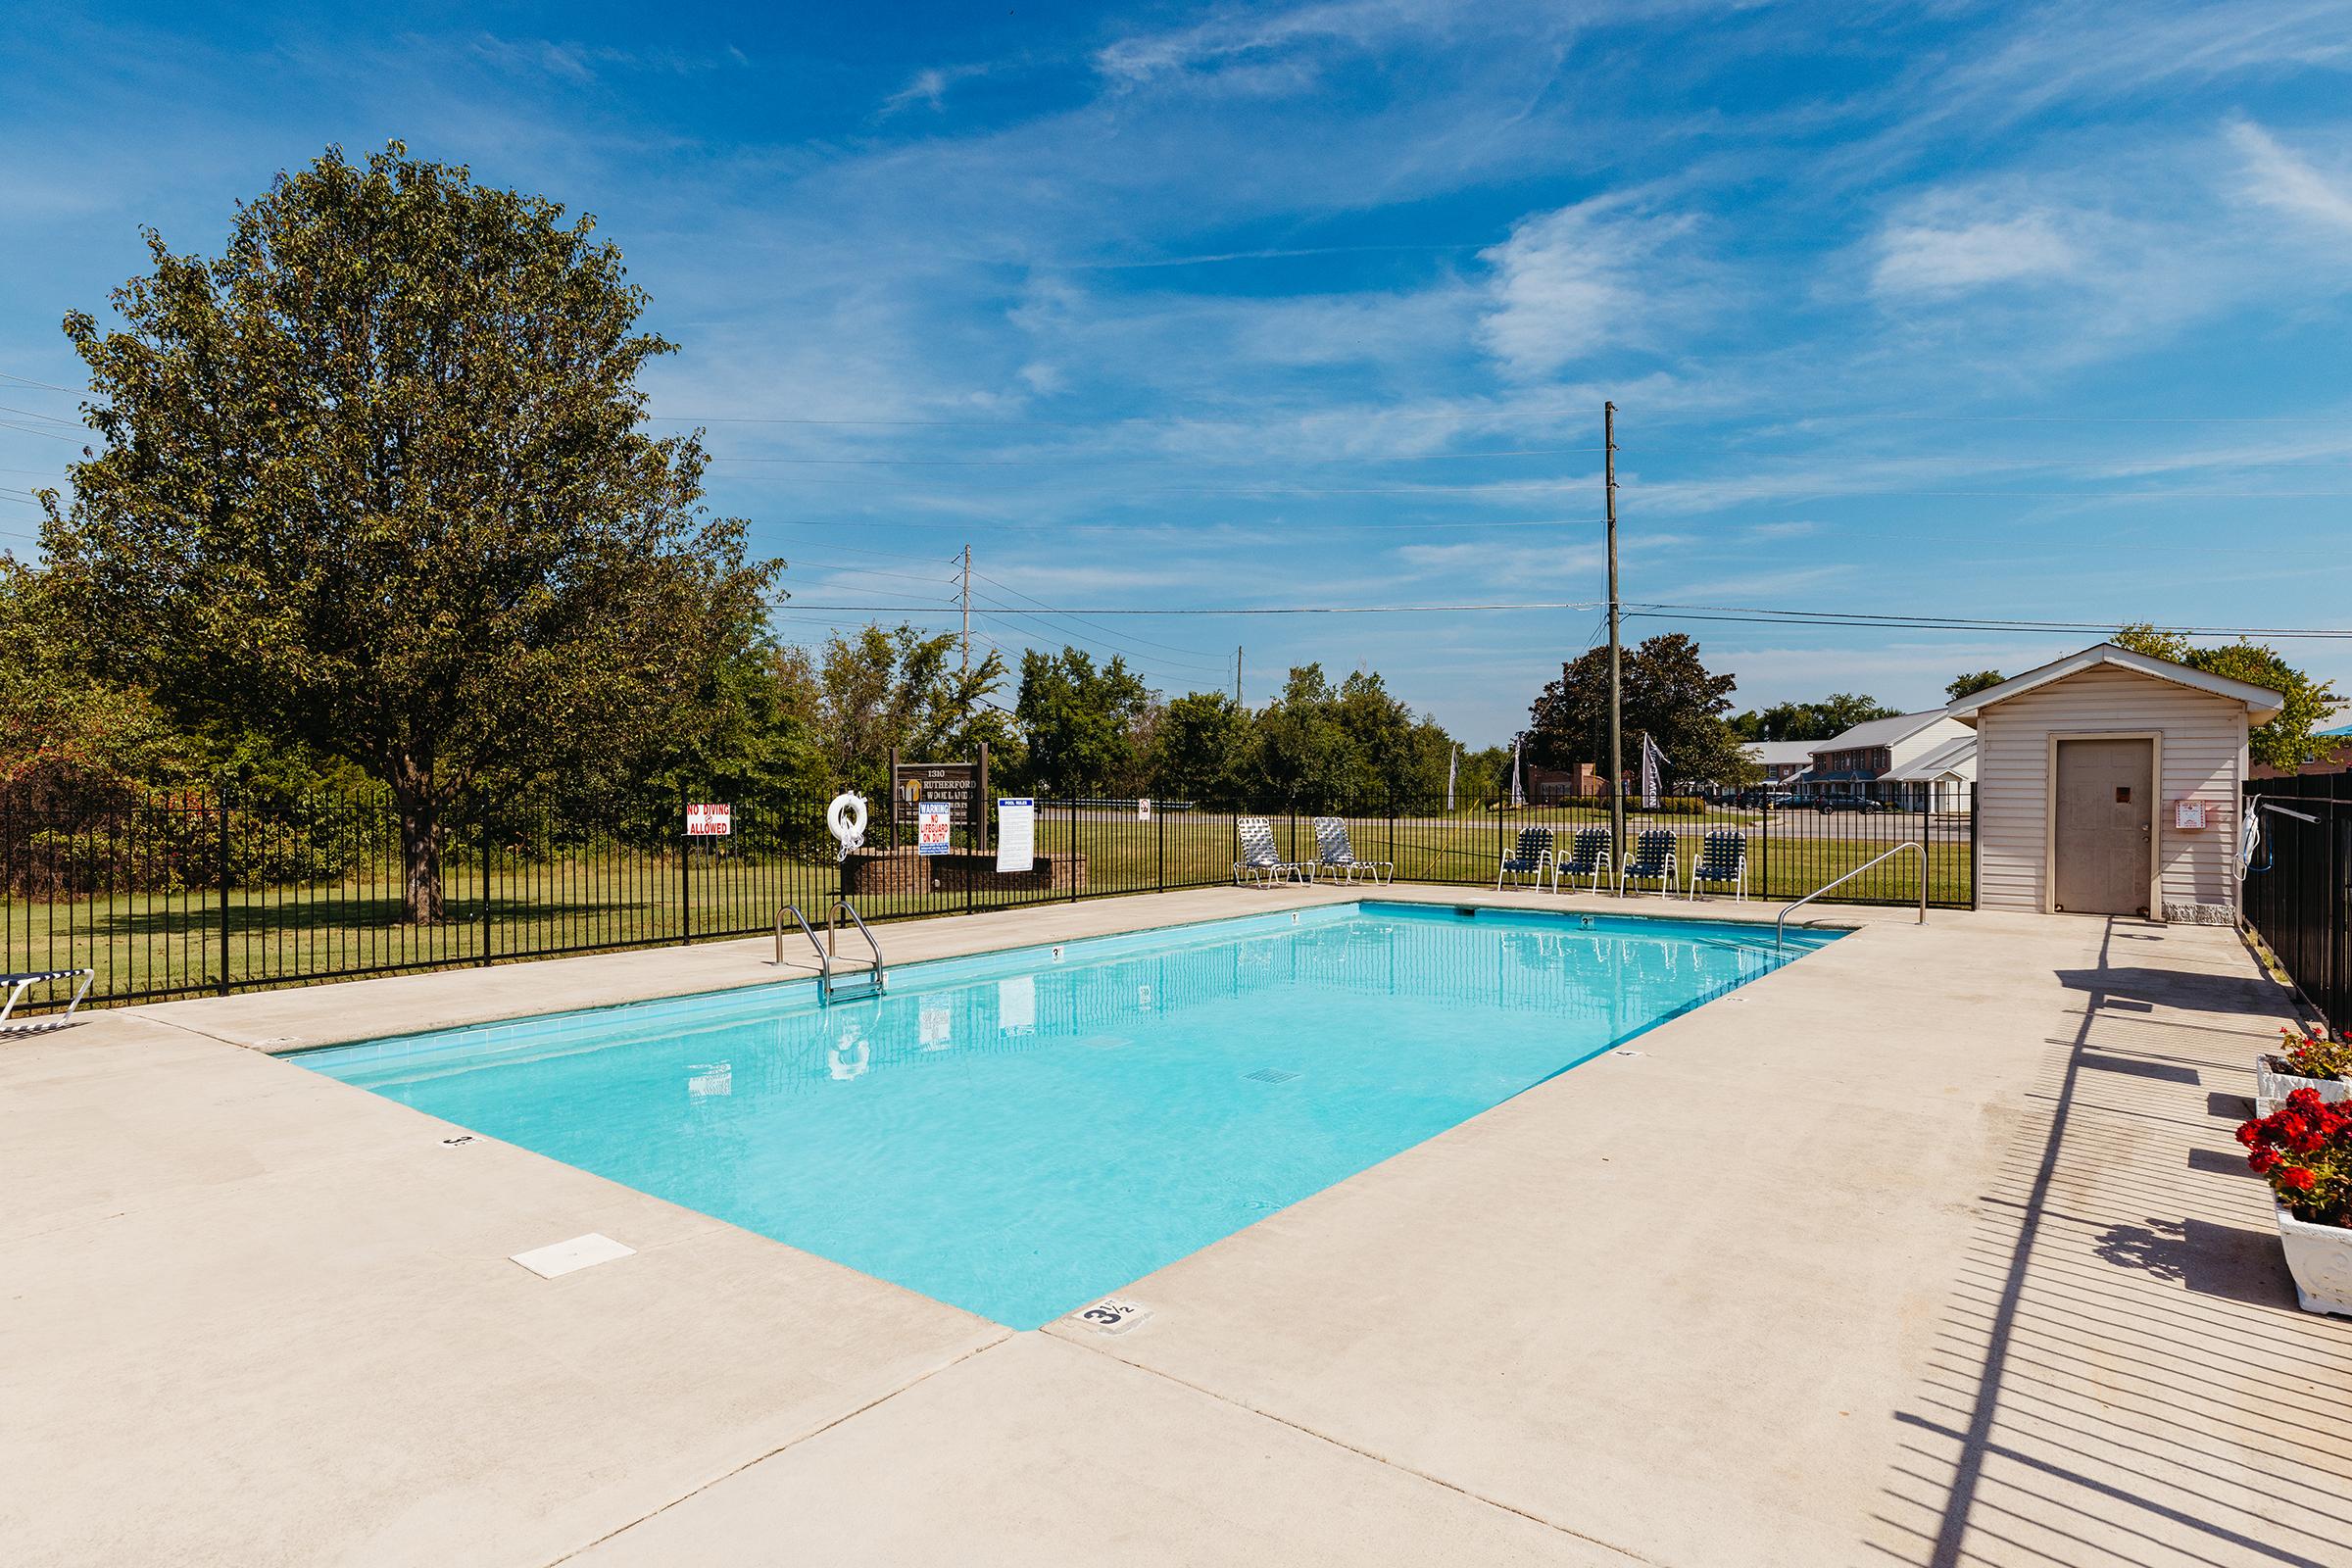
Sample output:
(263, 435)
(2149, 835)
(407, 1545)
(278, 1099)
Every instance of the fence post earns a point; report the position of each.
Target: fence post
(685, 872)
(1976, 894)
(1160, 814)
(221, 860)
(1074, 858)
(481, 850)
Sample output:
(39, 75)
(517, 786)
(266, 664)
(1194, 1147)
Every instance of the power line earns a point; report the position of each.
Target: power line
(1661, 610)
(998, 526)
(8, 424)
(1866, 491)
(1056, 459)
(1195, 653)
(1253, 421)
(1005, 612)
(35, 413)
(25, 380)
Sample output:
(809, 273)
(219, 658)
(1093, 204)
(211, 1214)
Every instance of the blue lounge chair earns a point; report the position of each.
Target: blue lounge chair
(1531, 856)
(1587, 858)
(1722, 859)
(18, 984)
(1652, 860)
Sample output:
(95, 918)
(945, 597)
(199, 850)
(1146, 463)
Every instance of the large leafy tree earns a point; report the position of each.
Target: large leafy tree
(62, 728)
(1834, 715)
(1970, 684)
(1086, 727)
(1200, 750)
(372, 480)
(2286, 742)
(1667, 691)
(873, 691)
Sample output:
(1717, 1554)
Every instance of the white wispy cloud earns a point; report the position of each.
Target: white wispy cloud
(1953, 257)
(2279, 178)
(1571, 282)
(929, 87)
(1247, 36)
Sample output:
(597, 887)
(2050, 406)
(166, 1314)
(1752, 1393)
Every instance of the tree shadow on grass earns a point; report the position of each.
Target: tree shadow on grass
(259, 917)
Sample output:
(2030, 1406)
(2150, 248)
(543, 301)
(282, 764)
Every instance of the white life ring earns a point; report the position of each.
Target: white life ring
(846, 817)
(849, 1059)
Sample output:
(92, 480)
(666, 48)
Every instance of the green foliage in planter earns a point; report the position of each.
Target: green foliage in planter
(2318, 1055)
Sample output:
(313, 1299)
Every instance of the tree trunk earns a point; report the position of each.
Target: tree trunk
(420, 838)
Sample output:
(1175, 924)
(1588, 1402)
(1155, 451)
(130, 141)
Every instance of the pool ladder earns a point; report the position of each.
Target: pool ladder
(877, 977)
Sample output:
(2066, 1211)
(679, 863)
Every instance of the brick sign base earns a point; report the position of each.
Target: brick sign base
(899, 873)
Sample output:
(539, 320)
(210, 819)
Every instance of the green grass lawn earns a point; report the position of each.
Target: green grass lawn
(148, 943)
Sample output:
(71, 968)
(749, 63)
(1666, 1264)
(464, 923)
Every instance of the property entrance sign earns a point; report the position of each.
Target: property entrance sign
(915, 785)
(932, 828)
(1017, 834)
(709, 821)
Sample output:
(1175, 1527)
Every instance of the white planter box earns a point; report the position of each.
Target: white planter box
(2320, 1258)
(2271, 1089)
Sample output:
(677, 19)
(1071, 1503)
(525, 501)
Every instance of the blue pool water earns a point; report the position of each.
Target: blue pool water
(1023, 1132)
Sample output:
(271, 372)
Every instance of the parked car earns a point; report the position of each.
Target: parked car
(1864, 804)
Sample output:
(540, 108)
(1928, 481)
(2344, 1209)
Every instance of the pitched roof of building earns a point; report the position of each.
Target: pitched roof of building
(1776, 754)
(2261, 701)
(1936, 763)
(1881, 731)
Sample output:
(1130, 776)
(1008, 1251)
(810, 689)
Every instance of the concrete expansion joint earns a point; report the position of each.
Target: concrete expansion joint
(792, 1442)
(1553, 1524)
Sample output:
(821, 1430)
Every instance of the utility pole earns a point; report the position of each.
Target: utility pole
(1609, 444)
(967, 611)
(1237, 679)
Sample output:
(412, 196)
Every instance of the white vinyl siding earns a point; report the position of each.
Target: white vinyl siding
(2203, 752)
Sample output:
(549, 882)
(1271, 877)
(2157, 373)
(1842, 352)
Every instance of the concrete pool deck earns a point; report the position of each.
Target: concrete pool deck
(1931, 1249)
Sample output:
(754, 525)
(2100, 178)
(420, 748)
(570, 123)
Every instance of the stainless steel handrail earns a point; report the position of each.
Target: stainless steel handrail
(830, 948)
(1780, 928)
(842, 906)
(825, 965)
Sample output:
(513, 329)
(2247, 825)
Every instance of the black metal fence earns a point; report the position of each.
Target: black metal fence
(196, 893)
(2299, 884)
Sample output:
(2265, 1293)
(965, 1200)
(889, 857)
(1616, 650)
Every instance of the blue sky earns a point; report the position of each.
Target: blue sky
(1952, 309)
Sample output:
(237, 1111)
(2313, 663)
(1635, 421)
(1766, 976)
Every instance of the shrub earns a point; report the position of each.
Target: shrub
(2304, 1150)
(2318, 1055)
(1670, 805)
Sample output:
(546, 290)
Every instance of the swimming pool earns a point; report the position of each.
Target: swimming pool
(1020, 1133)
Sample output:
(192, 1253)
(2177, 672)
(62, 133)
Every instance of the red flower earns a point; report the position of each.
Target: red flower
(2260, 1161)
(2298, 1178)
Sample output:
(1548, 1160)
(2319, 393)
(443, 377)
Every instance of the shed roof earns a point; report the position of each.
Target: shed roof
(2260, 700)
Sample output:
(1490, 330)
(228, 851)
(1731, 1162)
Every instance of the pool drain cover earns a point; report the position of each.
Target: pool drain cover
(1270, 1075)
